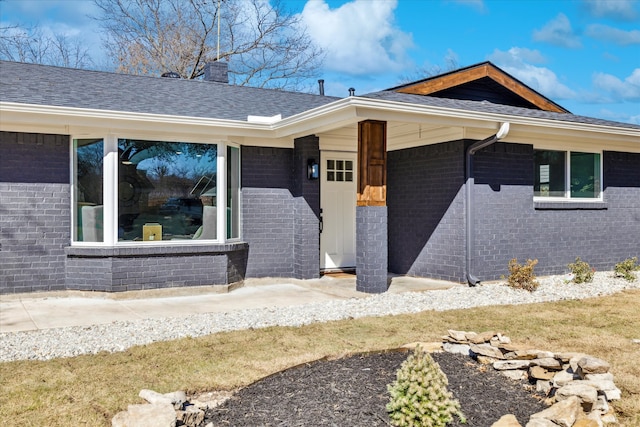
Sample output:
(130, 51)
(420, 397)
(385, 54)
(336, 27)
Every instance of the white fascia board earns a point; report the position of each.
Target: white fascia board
(354, 109)
(82, 118)
(330, 116)
(327, 117)
(418, 110)
(393, 110)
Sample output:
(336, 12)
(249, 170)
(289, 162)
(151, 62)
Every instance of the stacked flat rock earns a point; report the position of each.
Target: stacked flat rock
(162, 410)
(579, 386)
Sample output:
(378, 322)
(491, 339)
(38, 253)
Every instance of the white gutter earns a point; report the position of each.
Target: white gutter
(333, 115)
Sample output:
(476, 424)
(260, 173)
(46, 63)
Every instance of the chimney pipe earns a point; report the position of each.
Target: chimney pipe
(217, 71)
(321, 86)
(352, 91)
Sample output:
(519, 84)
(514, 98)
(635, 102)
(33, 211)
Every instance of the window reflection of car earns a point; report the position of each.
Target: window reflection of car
(183, 205)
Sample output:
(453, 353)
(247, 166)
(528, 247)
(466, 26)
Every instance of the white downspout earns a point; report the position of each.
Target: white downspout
(469, 230)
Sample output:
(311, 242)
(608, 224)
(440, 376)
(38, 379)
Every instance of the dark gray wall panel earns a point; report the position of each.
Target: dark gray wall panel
(425, 200)
(34, 211)
(268, 211)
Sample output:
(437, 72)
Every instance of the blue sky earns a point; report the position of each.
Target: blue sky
(583, 54)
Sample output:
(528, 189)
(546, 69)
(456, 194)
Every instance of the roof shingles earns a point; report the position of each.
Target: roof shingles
(488, 107)
(64, 87)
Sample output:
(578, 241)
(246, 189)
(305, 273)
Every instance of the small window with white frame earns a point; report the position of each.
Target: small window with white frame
(567, 175)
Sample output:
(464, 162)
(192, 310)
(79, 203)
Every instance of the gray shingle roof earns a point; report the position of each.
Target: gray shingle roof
(488, 107)
(65, 87)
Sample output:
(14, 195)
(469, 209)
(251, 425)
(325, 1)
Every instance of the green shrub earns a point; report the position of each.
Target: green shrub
(419, 396)
(626, 268)
(582, 271)
(522, 276)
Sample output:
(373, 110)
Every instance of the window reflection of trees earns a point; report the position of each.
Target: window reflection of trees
(89, 154)
(164, 182)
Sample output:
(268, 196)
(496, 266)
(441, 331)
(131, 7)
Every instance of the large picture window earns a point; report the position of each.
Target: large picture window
(164, 189)
(133, 190)
(575, 175)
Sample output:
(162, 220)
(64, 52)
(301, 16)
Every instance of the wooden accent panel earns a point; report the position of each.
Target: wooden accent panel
(437, 84)
(372, 163)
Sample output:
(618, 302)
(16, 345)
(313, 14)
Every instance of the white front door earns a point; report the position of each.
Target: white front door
(338, 203)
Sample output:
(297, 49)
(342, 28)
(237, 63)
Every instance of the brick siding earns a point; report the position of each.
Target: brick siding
(371, 248)
(268, 211)
(509, 225)
(307, 210)
(34, 211)
(425, 198)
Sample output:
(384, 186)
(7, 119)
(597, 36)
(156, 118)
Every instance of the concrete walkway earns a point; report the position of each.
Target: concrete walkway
(44, 310)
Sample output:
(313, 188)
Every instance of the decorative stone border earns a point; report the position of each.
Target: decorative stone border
(579, 386)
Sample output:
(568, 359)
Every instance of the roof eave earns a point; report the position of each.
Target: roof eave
(329, 116)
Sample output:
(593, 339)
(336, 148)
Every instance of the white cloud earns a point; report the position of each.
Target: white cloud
(624, 10)
(517, 55)
(619, 90)
(518, 62)
(615, 35)
(619, 117)
(558, 32)
(359, 37)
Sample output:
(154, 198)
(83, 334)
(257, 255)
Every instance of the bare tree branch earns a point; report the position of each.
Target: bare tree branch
(264, 45)
(31, 44)
(451, 63)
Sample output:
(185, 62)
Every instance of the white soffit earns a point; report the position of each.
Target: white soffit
(438, 122)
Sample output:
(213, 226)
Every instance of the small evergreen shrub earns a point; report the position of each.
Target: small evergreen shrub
(522, 276)
(582, 271)
(419, 396)
(626, 268)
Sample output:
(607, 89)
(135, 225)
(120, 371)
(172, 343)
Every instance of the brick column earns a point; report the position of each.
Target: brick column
(371, 209)
(371, 249)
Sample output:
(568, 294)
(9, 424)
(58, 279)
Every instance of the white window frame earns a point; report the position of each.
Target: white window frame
(232, 239)
(567, 179)
(110, 193)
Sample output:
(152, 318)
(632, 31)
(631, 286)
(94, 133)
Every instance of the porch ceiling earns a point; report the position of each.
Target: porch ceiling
(399, 135)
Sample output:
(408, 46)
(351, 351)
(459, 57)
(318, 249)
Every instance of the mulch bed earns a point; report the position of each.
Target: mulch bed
(353, 392)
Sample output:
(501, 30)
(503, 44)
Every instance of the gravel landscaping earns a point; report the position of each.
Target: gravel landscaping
(118, 336)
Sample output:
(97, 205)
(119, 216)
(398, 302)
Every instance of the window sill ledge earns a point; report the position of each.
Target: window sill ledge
(569, 205)
(153, 250)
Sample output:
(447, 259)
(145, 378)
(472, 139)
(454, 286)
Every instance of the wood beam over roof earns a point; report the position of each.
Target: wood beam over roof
(474, 76)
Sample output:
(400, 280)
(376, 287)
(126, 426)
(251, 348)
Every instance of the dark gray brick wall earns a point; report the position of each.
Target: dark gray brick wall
(34, 211)
(237, 265)
(138, 273)
(89, 273)
(371, 249)
(425, 198)
(34, 158)
(138, 268)
(509, 225)
(268, 211)
(307, 209)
